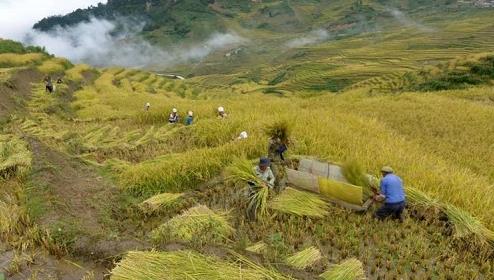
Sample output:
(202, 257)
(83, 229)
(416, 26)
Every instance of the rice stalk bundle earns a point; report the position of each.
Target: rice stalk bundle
(188, 265)
(350, 269)
(195, 224)
(465, 225)
(354, 173)
(279, 130)
(304, 258)
(257, 248)
(419, 198)
(15, 158)
(300, 203)
(160, 201)
(242, 171)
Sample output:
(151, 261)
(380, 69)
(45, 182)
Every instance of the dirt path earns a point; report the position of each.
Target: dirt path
(81, 200)
(73, 202)
(16, 89)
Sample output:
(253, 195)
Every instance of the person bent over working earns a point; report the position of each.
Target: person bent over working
(264, 172)
(393, 195)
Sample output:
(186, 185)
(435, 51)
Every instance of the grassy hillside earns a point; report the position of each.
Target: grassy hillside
(81, 168)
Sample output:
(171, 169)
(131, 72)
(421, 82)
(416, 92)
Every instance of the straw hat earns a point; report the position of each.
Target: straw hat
(387, 169)
(174, 110)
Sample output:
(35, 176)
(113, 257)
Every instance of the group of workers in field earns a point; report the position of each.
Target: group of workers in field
(392, 194)
(174, 117)
(271, 170)
(49, 86)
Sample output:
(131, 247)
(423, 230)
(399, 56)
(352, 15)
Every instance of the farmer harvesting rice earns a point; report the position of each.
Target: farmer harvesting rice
(147, 106)
(190, 118)
(276, 149)
(263, 172)
(243, 135)
(48, 85)
(393, 195)
(221, 113)
(173, 116)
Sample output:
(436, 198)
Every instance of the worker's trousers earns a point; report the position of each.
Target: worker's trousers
(393, 210)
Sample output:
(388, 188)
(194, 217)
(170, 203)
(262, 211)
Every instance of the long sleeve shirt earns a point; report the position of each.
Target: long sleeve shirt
(392, 189)
(266, 175)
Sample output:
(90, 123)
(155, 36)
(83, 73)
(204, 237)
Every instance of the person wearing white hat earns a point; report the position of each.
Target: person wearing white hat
(147, 106)
(221, 113)
(173, 116)
(190, 118)
(393, 195)
(243, 135)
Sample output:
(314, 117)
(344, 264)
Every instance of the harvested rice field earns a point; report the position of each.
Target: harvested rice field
(96, 184)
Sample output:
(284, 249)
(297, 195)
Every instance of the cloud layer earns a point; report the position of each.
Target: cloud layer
(314, 37)
(18, 16)
(96, 43)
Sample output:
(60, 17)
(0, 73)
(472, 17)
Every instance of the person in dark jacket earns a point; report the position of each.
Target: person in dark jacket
(190, 118)
(393, 195)
(173, 119)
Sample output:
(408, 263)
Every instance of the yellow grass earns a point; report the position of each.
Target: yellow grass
(14, 60)
(54, 65)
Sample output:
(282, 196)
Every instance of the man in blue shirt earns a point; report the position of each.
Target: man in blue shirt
(393, 195)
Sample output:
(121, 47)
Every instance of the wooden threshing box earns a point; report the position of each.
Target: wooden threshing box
(327, 179)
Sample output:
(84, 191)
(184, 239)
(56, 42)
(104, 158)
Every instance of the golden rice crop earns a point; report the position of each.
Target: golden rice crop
(279, 130)
(299, 203)
(195, 224)
(54, 65)
(160, 201)
(182, 265)
(14, 60)
(304, 258)
(350, 269)
(76, 73)
(15, 158)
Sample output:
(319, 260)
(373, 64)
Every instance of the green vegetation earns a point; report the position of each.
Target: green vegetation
(415, 96)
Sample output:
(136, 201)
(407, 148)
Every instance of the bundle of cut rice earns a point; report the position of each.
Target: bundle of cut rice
(350, 269)
(15, 158)
(304, 258)
(160, 201)
(300, 203)
(199, 224)
(183, 265)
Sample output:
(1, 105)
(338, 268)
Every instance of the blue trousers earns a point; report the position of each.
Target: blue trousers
(393, 210)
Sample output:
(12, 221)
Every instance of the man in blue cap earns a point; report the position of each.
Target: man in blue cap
(393, 195)
(264, 172)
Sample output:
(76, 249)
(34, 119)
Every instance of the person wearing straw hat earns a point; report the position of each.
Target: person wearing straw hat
(190, 118)
(221, 113)
(243, 135)
(147, 106)
(393, 195)
(173, 116)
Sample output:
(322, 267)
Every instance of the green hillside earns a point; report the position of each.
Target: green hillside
(94, 186)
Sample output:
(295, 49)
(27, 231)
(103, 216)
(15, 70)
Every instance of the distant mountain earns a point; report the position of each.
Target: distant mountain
(169, 20)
